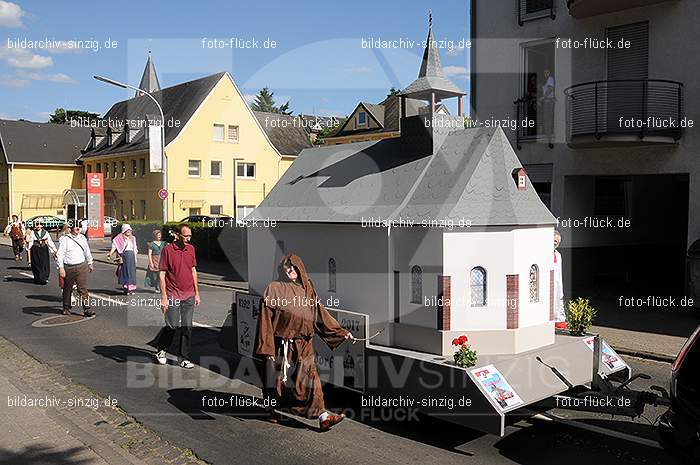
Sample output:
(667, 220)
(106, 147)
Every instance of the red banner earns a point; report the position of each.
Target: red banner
(95, 195)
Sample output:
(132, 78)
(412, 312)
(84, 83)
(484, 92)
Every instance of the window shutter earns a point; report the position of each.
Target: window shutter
(632, 62)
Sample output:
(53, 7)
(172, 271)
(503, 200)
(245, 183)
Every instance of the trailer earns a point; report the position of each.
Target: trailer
(575, 372)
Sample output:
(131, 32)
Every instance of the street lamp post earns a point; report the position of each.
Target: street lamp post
(163, 164)
(235, 174)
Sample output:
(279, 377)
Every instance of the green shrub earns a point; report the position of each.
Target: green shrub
(579, 316)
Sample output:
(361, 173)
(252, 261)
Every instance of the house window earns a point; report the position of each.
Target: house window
(143, 209)
(233, 133)
(216, 209)
(331, 275)
(133, 168)
(195, 211)
(106, 170)
(114, 169)
(244, 210)
(194, 168)
(478, 286)
(362, 118)
(88, 168)
(534, 284)
(132, 209)
(246, 170)
(416, 285)
(215, 170)
(218, 132)
(142, 163)
(123, 169)
(98, 168)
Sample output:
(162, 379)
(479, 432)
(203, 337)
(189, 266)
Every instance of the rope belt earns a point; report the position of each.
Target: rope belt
(285, 352)
(285, 363)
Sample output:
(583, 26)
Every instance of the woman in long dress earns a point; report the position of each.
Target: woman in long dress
(154, 249)
(124, 244)
(40, 247)
(290, 315)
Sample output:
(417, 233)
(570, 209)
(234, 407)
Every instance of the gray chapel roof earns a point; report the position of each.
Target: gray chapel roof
(468, 178)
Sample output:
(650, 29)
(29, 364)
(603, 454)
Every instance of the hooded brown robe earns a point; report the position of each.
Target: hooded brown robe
(290, 315)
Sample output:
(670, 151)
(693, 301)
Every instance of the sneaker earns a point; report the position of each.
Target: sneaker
(161, 358)
(187, 364)
(88, 313)
(330, 420)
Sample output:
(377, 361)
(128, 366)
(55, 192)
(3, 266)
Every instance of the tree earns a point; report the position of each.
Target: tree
(265, 102)
(393, 91)
(63, 116)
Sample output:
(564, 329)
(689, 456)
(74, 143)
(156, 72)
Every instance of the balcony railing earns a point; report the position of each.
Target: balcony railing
(624, 111)
(534, 9)
(535, 120)
(587, 8)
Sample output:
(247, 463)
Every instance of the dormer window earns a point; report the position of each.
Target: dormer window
(362, 118)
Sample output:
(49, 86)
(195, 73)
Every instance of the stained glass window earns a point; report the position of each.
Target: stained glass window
(534, 284)
(478, 286)
(416, 285)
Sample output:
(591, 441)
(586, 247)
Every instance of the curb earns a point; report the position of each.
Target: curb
(644, 354)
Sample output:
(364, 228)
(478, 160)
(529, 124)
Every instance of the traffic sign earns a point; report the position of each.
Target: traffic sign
(163, 194)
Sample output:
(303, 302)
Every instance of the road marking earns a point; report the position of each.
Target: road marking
(599, 430)
(28, 275)
(202, 325)
(108, 299)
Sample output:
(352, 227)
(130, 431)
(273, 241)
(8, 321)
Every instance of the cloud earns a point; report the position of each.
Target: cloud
(6, 116)
(64, 46)
(13, 81)
(10, 14)
(21, 58)
(249, 98)
(453, 52)
(50, 77)
(45, 115)
(358, 70)
(456, 71)
(330, 112)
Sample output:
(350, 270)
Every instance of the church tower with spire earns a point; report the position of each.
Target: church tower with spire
(149, 80)
(422, 134)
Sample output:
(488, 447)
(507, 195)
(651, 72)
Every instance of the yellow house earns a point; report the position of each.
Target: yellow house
(37, 166)
(213, 141)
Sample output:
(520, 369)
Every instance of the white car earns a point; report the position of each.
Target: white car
(108, 225)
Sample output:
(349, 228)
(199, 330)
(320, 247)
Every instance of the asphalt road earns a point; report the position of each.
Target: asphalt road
(111, 355)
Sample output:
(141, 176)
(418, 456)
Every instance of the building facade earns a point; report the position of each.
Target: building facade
(37, 166)
(213, 142)
(602, 94)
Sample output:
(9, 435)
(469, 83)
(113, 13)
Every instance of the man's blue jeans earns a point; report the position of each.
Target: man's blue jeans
(178, 321)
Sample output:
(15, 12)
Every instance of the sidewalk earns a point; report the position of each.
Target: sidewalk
(69, 423)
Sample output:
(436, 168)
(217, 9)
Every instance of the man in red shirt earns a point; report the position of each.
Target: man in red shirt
(179, 294)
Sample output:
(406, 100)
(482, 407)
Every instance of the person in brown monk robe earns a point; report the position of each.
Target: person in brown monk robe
(290, 315)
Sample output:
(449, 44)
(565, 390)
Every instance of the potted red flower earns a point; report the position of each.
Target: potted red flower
(465, 356)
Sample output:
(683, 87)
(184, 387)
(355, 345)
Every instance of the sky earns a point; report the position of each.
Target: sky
(321, 56)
